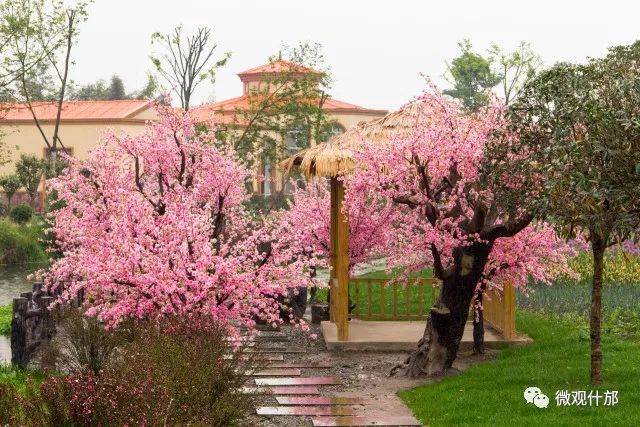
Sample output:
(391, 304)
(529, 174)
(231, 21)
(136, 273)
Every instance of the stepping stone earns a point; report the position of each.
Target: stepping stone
(365, 421)
(317, 365)
(298, 391)
(263, 357)
(276, 350)
(275, 338)
(298, 381)
(305, 410)
(325, 400)
(275, 372)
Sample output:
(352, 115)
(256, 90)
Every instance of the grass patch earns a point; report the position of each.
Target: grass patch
(21, 243)
(491, 393)
(18, 377)
(6, 312)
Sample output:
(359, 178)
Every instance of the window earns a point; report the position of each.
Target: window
(266, 184)
(333, 129)
(296, 138)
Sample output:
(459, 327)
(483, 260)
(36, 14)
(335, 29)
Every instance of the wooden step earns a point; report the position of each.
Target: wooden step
(306, 410)
(348, 421)
(297, 381)
(324, 400)
(310, 365)
(275, 372)
(297, 391)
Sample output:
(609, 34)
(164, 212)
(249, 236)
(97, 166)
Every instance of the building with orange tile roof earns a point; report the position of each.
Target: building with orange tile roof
(342, 115)
(81, 124)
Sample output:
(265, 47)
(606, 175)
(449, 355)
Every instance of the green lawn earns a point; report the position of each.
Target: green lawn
(491, 393)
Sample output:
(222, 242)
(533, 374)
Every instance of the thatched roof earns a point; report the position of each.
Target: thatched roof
(335, 157)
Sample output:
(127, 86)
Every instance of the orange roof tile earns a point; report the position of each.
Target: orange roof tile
(221, 112)
(278, 66)
(75, 110)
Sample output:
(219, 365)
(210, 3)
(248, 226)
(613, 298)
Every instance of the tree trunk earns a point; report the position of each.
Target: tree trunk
(438, 347)
(598, 246)
(478, 325)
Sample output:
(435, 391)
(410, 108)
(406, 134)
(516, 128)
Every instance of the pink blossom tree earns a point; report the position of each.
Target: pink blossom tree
(305, 227)
(454, 223)
(153, 225)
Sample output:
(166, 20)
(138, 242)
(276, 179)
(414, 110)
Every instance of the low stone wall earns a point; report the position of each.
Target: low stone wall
(31, 325)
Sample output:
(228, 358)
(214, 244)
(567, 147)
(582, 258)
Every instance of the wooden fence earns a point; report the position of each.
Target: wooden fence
(384, 299)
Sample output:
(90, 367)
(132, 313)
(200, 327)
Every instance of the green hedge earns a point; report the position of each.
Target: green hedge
(6, 312)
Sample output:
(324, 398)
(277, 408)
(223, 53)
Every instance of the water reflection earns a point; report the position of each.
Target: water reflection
(13, 280)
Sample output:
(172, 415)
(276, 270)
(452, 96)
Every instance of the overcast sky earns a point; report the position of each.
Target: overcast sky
(376, 49)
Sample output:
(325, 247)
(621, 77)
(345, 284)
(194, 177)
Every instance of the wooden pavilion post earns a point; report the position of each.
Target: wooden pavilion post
(339, 261)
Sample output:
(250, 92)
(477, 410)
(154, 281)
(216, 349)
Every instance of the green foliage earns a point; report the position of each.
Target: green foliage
(472, 78)
(6, 313)
(21, 244)
(10, 185)
(286, 113)
(29, 170)
(174, 373)
(491, 392)
(514, 69)
(619, 268)
(21, 214)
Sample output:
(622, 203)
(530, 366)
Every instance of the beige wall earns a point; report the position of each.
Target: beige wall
(81, 137)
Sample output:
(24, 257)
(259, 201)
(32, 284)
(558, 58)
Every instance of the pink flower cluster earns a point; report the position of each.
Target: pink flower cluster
(153, 225)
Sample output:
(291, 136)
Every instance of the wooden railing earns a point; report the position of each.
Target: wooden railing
(500, 311)
(385, 299)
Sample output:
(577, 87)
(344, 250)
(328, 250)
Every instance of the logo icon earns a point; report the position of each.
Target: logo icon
(534, 395)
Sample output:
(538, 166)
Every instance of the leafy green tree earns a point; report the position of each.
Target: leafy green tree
(91, 92)
(29, 170)
(514, 68)
(37, 37)
(578, 155)
(149, 90)
(186, 61)
(10, 185)
(472, 77)
(286, 113)
(116, 89)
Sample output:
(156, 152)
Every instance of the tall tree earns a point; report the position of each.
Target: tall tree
(285, 112)
(454, 221)
(185, 62)
(39, 36)
(116, 89)
(472, 78)
(176, 237)
(578, 152)
(514, 68)
(149, 90)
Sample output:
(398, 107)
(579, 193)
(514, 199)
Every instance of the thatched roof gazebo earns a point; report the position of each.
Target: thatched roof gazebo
(333, 159)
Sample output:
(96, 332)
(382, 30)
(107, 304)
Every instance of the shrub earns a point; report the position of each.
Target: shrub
(21, 214)
(188, 357)
(82, 343)
(19, 244)
(175, 373)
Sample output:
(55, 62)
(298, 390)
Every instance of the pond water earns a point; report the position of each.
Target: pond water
(13, 281)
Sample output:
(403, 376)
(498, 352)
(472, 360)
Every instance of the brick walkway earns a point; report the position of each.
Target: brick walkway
(300, 391)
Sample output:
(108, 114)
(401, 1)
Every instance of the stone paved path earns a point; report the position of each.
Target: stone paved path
(299, 393)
